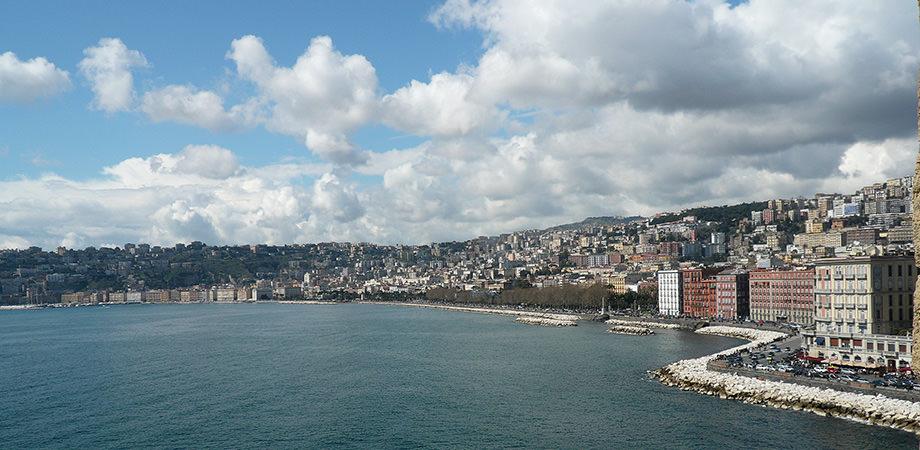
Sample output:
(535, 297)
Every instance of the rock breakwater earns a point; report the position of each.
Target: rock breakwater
(631, 330)
(546, 321)
(644, 323)
(693, 375)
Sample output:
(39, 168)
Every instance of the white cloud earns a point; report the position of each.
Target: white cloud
(321, 98)
(108, 67)
(190, 106)
(195, 164)
(338, 199)
(25, 81)
(581, 112)
(441, 107)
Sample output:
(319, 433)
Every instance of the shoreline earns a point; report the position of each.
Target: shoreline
(498, 311)
(102, 304)
(695, 375)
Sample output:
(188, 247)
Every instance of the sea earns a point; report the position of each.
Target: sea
(367, 376)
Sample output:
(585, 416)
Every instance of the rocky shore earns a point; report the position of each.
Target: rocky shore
(631, 330)
(693, 375)
(546, 322)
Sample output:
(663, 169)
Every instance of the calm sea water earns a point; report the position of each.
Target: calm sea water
(353, 376)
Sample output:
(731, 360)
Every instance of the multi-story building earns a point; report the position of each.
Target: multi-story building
(783, 295)
(225, 294)
(670, 290)
(699, 291)
(732, 300)
(617, 283)
(599, 260)
(900, 234)
(861, 235)
(858, 299)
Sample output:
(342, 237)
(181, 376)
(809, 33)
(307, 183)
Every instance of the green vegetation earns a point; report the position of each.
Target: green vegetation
(575, 297)
(726, 214)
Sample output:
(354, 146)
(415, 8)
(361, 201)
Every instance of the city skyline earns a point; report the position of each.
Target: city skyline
(271, 129)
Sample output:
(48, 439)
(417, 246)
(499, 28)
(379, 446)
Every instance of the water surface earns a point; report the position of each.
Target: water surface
(315, 376)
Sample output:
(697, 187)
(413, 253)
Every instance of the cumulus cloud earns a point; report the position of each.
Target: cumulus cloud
(191, 106)
(199, 193)
(581, 112)
(25, 81)
(320, 99)
(108, 67)
(441, 107)
(202, 164)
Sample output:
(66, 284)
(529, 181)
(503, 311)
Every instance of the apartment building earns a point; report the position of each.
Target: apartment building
(860, 300)
(783, 295)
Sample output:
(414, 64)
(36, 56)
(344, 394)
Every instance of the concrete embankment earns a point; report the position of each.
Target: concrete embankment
(694, 375)
(546, 322)
(631, 330)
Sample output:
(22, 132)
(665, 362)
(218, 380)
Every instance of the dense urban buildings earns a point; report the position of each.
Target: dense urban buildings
(838, 265)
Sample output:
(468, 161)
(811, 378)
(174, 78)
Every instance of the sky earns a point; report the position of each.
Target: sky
(418, 121)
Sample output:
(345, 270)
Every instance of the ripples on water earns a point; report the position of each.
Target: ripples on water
(257, 376)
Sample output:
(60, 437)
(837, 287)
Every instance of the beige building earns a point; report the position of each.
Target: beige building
(814, 226)
(860, 300)
(810, 240)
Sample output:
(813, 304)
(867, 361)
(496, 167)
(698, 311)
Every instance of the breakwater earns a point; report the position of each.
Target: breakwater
(694, 375)
(644, 324)
(631, 330)
(545, 321)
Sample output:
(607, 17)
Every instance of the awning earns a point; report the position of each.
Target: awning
(811, 358)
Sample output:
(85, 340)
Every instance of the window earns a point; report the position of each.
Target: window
(870, 346)
(890, 268)
(902, 348)
(900, 270)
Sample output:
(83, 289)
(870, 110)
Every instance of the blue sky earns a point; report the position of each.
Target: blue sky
(419, 121)
(185, 42)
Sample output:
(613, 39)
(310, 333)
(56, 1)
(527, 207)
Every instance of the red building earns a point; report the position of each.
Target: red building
(769, 216)
(783, 295)
(699, 290)
(732, 300)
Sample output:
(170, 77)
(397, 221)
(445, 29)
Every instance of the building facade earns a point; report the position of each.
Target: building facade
(783, 295)
(670, 293)
(732, 300)
(861, 301)
(699, 292)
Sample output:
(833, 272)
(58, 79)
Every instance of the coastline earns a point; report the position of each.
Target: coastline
(694, 375)
(507, 312)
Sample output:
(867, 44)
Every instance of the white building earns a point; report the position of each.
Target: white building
(670, 298)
